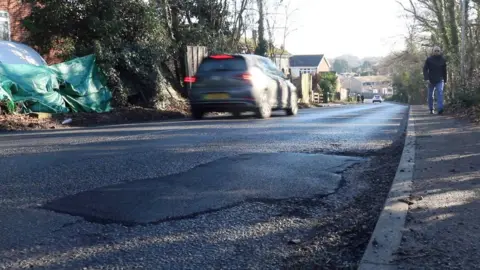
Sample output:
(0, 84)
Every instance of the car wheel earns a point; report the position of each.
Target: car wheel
(264, 109)
(293, 110)
(197, 114)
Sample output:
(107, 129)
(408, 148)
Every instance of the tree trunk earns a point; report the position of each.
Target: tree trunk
(262, 43)
(453, 26)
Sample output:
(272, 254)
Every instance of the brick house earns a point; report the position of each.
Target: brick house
(12, 12)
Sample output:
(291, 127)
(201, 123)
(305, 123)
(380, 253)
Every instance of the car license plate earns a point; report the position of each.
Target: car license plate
(217, 96)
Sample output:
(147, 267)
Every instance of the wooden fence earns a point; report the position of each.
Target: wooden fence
(317, 98)
(193, 57)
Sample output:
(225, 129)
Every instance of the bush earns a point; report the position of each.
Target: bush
(127, 38)
(409, 87)
(398, 97)
(328, 83)
(469, 95)
(140, 46)
(468, 99)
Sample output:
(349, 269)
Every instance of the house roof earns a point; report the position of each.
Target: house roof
(310, 60)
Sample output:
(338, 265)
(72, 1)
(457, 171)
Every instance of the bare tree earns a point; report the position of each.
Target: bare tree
(271, 19)
(239, 20)
(288, 27)
(280, 13)
(439, 18)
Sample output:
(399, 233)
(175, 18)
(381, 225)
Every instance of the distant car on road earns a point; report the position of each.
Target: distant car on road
(239, 83)
(377, 98)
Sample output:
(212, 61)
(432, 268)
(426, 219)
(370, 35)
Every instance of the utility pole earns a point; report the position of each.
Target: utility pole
(463, 40)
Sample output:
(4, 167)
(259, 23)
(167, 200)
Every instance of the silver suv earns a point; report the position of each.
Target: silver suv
(239, 83)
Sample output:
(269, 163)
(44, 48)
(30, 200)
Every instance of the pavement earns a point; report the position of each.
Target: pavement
(183, 194)
(442, 228)
(443, 222)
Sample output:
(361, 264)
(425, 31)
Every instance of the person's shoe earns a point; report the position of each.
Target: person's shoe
(431, 111)
(440, 111)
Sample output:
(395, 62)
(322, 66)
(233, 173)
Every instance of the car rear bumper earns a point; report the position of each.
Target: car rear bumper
(238, 99)
(224, 106)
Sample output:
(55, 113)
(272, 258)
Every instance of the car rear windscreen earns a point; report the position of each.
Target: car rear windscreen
(229, 64)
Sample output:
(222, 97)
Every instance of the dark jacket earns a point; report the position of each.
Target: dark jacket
(435, 69)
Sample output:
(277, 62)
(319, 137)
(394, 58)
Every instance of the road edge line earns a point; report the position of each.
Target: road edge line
(387, 235)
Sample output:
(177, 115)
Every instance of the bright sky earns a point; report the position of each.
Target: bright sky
(335, 27)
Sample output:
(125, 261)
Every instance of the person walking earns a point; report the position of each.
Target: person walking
(362, 97)
(435, 75)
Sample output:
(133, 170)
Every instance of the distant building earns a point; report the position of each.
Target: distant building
(348, 74)
(312, 64)
(368, 85)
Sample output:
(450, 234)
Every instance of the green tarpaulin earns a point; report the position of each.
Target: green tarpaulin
(73, 86)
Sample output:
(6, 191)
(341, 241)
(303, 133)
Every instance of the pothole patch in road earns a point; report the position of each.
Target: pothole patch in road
(210, 187)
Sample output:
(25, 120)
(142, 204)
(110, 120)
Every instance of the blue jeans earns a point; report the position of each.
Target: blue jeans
(439, 93)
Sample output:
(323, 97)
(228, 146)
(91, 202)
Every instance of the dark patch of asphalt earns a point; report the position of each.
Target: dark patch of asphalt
(267, 224)
(216, 185)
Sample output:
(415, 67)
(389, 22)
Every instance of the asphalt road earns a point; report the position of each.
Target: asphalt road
(204, 192)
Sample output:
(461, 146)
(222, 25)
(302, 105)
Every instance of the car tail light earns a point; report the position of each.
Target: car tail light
(221, 56)
(245, 76)
(190, 79)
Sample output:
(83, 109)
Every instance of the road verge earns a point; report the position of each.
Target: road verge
(387, 236)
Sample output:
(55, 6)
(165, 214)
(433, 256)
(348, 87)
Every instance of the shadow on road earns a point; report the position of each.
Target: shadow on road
(443, 227)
